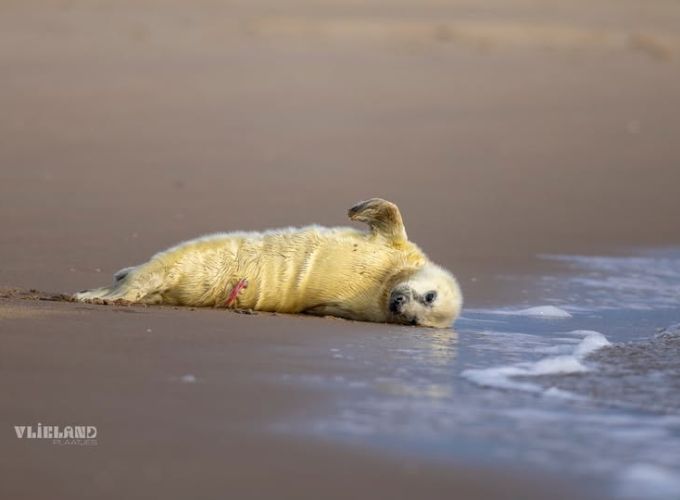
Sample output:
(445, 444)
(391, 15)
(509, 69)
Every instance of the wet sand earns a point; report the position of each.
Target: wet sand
(183, 400)
(502, 132)
(627, 365)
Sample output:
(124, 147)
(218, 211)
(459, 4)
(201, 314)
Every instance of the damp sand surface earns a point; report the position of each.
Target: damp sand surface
(571, 387)
(584, 385)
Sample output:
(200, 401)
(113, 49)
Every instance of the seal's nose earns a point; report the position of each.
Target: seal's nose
(397, 302)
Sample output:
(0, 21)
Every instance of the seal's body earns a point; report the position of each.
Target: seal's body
(369, 276)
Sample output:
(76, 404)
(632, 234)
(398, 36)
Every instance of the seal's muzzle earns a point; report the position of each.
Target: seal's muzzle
(398, 299)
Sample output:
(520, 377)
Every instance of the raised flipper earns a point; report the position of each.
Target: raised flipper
(383, 217)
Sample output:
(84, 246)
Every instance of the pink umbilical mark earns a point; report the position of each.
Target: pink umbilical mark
(240, 285)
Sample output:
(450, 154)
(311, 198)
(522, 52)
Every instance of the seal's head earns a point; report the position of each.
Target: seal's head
(429, 297)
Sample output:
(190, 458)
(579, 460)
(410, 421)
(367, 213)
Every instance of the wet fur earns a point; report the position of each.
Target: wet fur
(343, 272)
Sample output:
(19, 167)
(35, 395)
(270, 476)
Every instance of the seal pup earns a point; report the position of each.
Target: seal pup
(376, 275)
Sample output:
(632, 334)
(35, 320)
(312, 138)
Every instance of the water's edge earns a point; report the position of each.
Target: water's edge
(581, 380)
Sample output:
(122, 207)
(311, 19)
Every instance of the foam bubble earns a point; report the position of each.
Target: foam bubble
(547, 312)
(544, 312)
(592, 341)
(643, 480)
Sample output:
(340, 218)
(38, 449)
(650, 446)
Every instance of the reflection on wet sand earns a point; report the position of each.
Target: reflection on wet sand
(440, 350)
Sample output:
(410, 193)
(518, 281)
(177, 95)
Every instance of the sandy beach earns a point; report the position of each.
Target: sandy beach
(503, 131)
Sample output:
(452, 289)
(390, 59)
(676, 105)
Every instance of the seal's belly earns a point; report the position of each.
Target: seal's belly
(295, 272)
(286, 271)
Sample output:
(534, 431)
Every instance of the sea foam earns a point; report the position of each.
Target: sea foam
(547, 312)
(503, 377)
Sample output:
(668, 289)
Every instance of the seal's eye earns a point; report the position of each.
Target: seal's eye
(430, 297)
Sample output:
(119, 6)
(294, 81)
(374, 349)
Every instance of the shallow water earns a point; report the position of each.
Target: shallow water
(582, 380)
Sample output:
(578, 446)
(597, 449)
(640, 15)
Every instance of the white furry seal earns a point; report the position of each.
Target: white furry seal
(369, 276)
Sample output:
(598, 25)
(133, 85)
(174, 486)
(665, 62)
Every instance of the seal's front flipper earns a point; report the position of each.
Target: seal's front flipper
(335, 310)
(383, 217)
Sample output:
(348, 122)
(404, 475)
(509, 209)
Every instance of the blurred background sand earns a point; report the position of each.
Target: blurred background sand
(501, 130)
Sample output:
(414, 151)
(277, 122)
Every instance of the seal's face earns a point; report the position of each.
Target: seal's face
(430, 297)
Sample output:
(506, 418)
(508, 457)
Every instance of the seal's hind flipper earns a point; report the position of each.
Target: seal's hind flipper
(94, 294)
(383, 217)
(122, 274)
